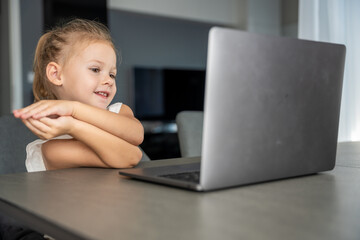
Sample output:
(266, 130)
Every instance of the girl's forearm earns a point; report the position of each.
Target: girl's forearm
(112, 150)
(124, 126)
(69, 153)
(91, 147)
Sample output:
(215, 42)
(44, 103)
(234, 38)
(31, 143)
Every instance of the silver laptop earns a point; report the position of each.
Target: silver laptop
(271, 111)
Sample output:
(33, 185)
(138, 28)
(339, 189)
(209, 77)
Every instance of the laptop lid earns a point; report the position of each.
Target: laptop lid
(272, 108)
(271, 111)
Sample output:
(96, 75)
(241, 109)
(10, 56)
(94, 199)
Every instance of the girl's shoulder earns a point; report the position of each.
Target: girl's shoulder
(115, 108)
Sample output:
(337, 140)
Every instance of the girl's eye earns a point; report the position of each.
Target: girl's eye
(112, 76)
(95, 70)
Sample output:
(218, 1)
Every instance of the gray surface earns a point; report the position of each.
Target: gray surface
(272, 107)
(100, 204)
(190, 129)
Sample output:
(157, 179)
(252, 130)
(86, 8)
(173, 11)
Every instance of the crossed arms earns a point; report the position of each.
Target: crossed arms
(100, 138)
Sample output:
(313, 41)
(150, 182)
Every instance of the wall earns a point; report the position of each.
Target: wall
(168, 33)
(15, 54)
(31, 29)
(289, 18)
(278, 17)
(225, 12)
(150, 41)
(162, 33)
(264, 16)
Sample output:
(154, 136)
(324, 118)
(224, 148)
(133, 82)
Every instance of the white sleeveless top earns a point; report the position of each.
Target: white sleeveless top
(34, 160)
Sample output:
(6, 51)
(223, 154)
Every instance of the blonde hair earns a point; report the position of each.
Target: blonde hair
(55, 46)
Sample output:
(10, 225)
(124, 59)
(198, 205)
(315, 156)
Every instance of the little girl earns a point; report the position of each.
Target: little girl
(74, 83)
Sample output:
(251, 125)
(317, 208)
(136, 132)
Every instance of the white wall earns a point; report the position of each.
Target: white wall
(15, 55)
(224, 12)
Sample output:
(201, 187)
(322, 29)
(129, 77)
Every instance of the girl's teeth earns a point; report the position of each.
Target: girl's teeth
(104, 94)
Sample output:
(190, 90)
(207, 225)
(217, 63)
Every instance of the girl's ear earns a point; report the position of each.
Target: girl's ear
(53, 73)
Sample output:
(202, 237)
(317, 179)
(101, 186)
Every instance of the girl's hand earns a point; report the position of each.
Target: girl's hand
(47, 128)
(46, 108)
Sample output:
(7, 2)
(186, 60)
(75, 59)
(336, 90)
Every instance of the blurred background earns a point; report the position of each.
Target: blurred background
(163, 44)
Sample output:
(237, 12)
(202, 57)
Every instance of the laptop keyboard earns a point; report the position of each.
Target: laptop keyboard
(186, 176)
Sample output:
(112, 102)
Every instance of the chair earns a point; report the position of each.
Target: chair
(145, 157)
(190, 128)
(14, 136)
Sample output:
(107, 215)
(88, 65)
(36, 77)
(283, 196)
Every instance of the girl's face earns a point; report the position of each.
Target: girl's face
(89, 76)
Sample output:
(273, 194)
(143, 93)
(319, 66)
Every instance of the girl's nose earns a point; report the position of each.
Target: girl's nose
(109, 81)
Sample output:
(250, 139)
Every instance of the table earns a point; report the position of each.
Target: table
(87, 203)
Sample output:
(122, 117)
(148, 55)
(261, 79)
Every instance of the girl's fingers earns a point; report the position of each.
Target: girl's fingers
(19, 112)
(25, 113)
(41, 126)
(16, 113)
(47, 121)
(44, 109)
(33, 129)
(48, 111)
(34, 109)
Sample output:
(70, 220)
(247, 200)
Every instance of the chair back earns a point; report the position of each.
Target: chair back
(14, 136)
(190, 129)
(145, 157)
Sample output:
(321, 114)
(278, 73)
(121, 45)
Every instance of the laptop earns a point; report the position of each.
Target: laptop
(271, 111)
